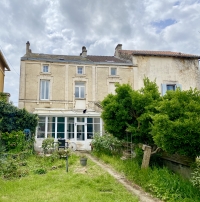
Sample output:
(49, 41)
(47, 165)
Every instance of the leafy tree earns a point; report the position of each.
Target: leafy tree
(176, 128)
(3, 97)
(116, 110)
(131, 110)
(14, 119)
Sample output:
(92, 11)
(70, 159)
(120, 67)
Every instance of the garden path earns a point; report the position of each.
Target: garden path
(133, 188)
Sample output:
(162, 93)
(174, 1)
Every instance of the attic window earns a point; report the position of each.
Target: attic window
(45, 68)
(80, 70)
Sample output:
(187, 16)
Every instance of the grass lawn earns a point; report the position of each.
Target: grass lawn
(82, 184)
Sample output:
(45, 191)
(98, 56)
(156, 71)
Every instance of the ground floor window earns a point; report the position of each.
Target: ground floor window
(76, 128)
(166, 87)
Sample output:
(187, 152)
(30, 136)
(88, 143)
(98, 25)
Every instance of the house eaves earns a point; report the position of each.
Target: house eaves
(5, 64)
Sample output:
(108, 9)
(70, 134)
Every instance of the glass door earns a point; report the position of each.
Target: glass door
(70, 128)
(80, 128)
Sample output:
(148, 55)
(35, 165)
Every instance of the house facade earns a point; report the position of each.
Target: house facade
(65, 91)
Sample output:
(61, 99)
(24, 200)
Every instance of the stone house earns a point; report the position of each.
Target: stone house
(65, 91)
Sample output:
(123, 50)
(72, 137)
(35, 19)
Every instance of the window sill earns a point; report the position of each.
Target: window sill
(47, 73)
(114, 76)
(44, 101)
(80, 98)
(80, 75)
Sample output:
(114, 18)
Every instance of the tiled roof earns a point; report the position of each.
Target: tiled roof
(109, 59)
(55, 57)
(158, 53)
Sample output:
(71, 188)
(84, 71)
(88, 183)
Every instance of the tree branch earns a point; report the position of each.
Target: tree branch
(155, 151)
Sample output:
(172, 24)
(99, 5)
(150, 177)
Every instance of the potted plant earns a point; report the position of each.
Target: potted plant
(83, 160)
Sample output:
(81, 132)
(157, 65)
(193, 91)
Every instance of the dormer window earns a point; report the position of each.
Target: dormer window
(79, 70)
(45, 68)
(113, 71)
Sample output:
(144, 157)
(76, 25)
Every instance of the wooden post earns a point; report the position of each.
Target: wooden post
(146, 156)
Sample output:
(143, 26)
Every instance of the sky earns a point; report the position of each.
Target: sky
(64, 26)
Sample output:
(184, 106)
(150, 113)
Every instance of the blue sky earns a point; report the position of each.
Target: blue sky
(162, 24)
(64, 26)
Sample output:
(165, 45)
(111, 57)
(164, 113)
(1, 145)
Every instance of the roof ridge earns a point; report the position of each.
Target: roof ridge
(150, 51)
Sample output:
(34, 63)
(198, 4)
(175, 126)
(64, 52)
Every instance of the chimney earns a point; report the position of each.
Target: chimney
(28, 50)
(118, 47)
(84, 52)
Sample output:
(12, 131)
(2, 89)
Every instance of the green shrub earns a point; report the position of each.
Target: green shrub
(62, 153)
(107, 144)
(2, 146)
(14, 119)
(40, 171)
(195, 176)
(175, 127)
(15, 141)
(10, 169)
(47, 144)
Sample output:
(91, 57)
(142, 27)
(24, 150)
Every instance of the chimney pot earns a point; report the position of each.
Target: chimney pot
(118, 47)
(84, 52)
(28, 50)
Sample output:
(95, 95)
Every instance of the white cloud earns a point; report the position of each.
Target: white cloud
(64, 26)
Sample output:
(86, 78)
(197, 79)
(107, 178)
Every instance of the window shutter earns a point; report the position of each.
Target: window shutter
(163, 88)
(179, 86)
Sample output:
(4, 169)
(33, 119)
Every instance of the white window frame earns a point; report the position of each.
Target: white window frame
(44, 89)
(80, 88)
(45, 68)
(82, 70)
(113, 68)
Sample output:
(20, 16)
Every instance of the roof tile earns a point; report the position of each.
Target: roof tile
(109, 59)
(158, 53)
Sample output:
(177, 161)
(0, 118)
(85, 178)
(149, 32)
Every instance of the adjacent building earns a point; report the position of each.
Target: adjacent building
(3, 67)
(169, 69)
(65, 90)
